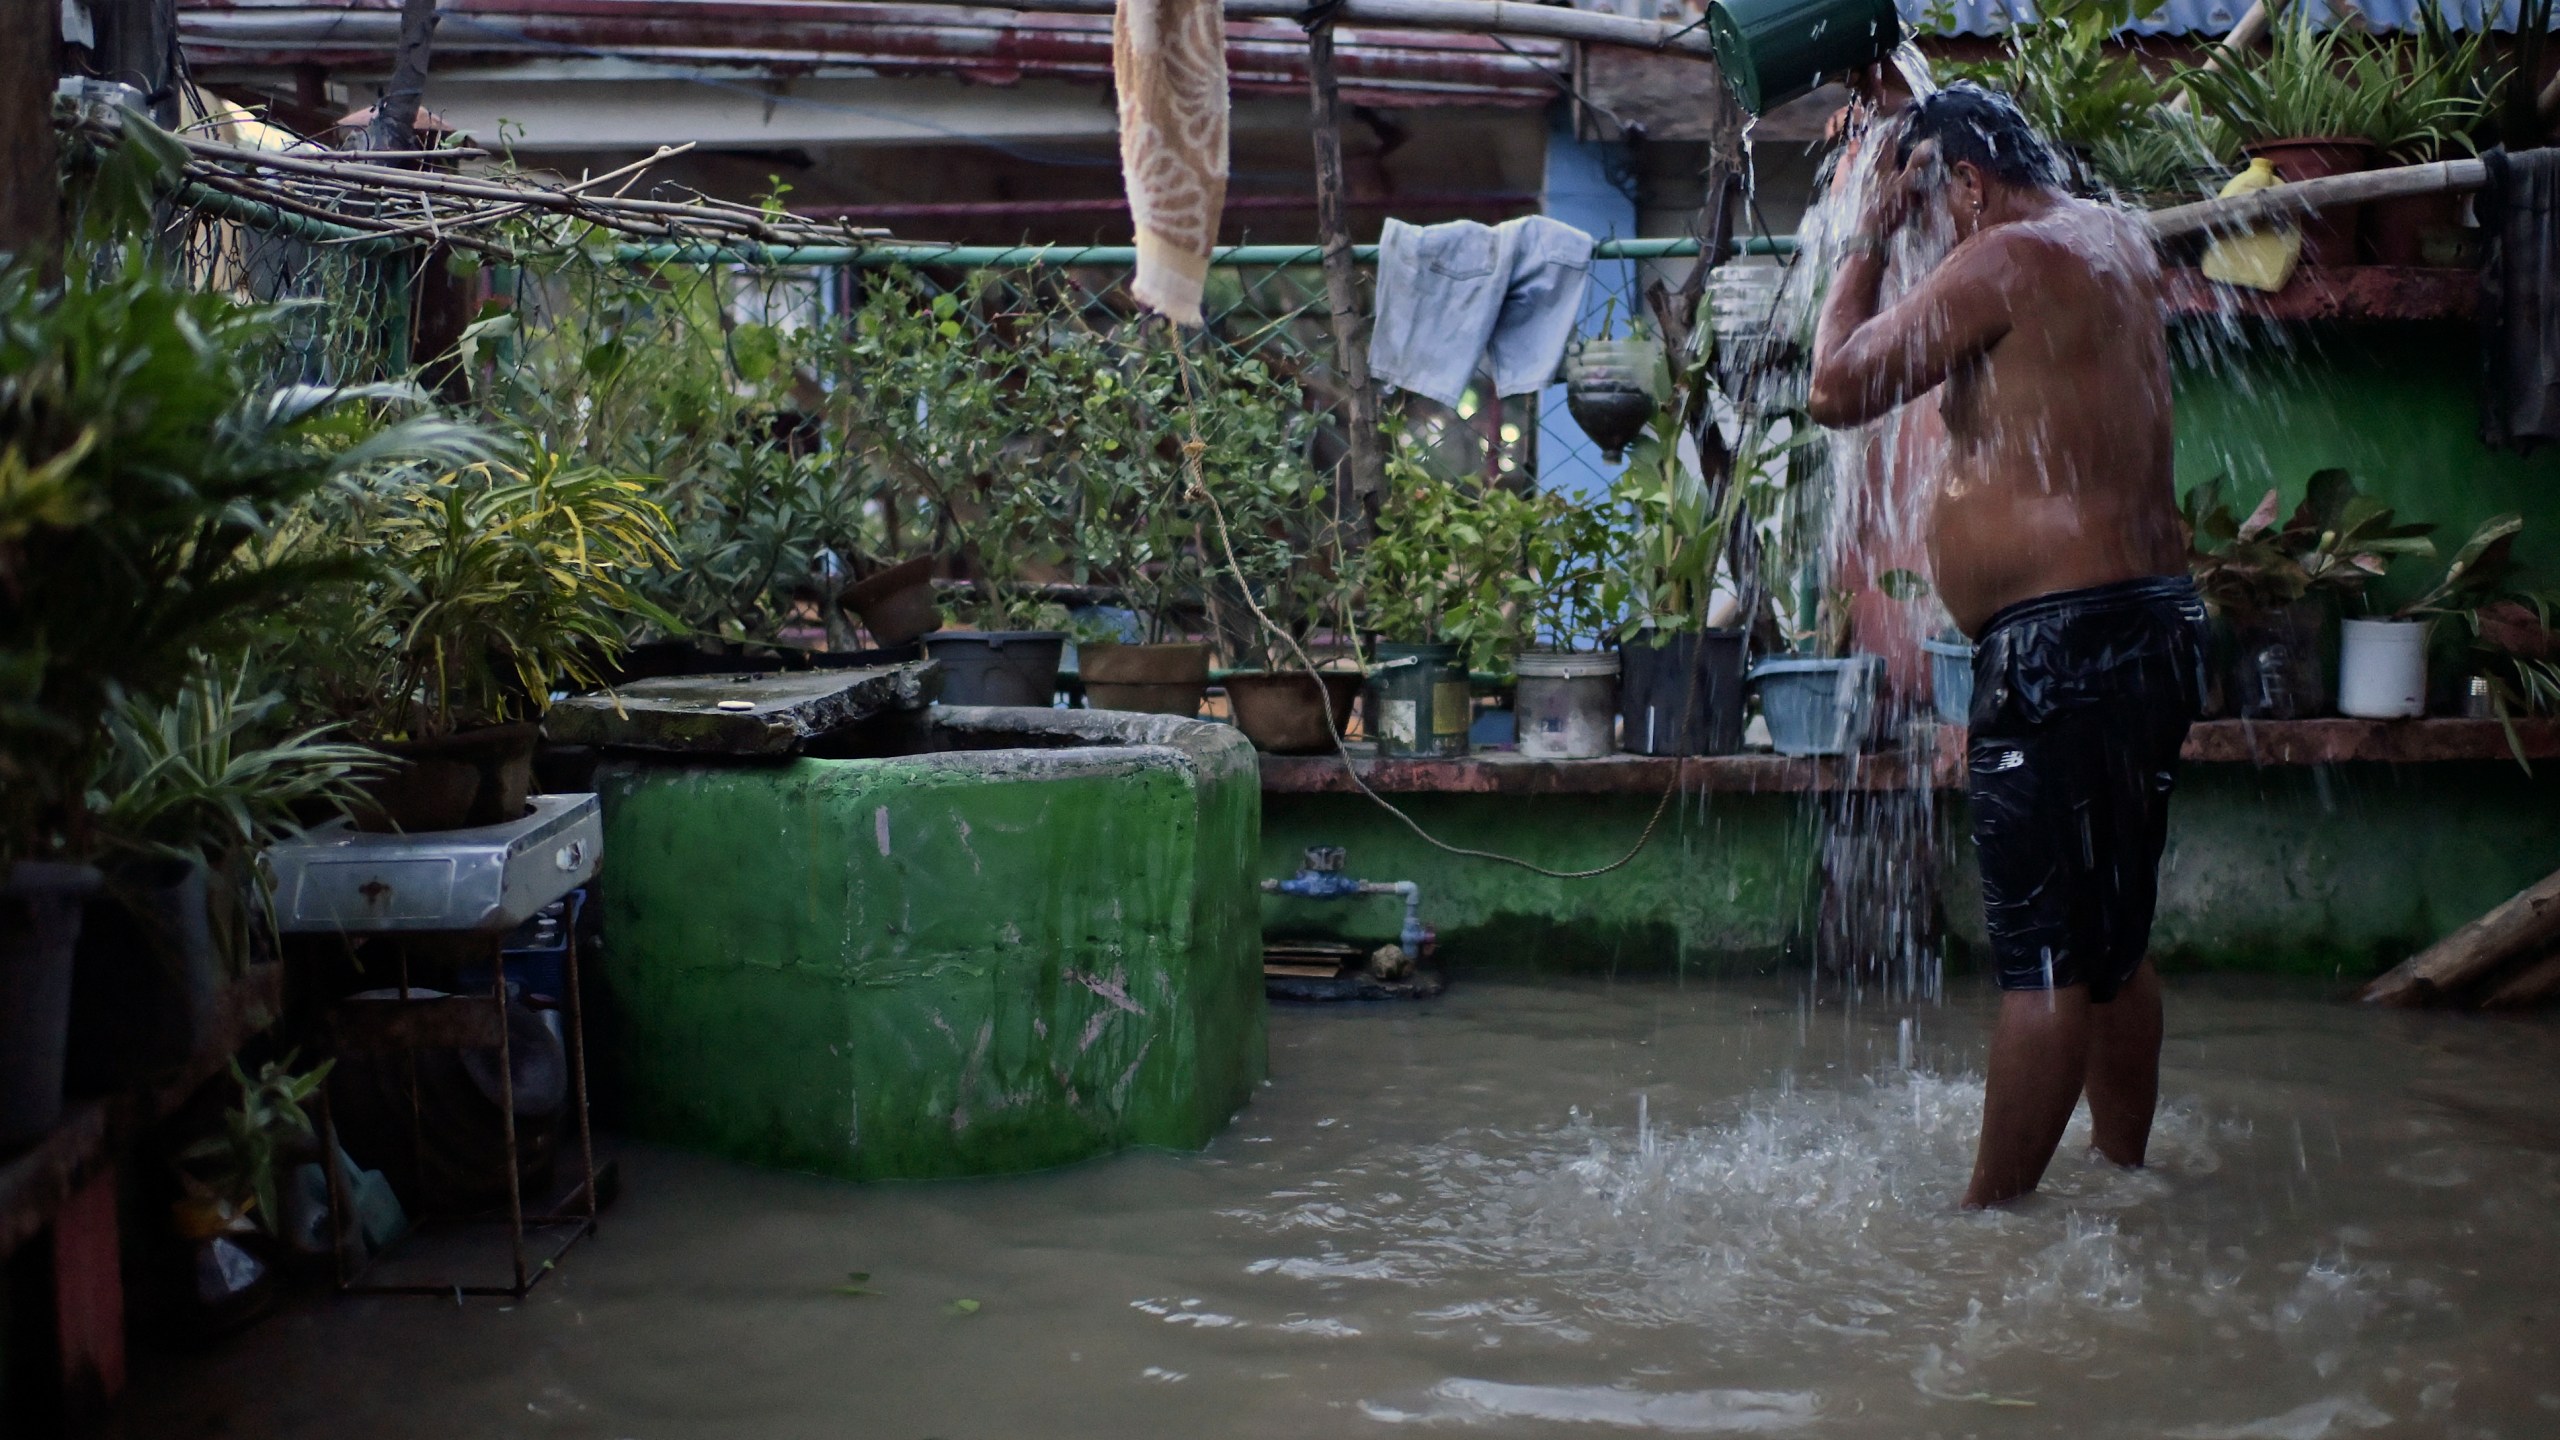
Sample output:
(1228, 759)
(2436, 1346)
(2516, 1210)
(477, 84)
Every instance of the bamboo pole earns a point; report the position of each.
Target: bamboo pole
(2252, 28)
(2528, 919)
(2283, 201)
(1341, 278)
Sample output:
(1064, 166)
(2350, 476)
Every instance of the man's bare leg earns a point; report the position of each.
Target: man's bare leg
(2039, 1052)
(2124, 1068)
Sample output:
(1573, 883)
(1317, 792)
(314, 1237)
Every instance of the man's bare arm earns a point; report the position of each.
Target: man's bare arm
(1867, 362)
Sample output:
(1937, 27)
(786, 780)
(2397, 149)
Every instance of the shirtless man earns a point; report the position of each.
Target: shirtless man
(2054, 537)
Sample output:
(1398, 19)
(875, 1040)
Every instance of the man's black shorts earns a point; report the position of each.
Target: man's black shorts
(2080, 701)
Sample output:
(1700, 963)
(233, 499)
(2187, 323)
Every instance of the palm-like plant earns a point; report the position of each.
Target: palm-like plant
(491, 584)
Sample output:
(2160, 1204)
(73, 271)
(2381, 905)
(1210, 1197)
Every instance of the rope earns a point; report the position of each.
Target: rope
(1192, 449)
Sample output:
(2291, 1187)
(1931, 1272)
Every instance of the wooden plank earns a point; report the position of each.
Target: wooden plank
(777, 714)
(2529, 919)
(35, 1185)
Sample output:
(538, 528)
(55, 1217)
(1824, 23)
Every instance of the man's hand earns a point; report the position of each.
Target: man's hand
(1897, 195)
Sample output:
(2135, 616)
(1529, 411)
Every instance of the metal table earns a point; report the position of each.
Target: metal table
(483, 882)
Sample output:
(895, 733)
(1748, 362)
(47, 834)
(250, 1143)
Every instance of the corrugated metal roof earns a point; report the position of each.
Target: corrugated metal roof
(2198, 17)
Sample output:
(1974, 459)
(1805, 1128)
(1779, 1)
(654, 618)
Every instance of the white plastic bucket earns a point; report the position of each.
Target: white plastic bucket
(2382, 669)
(1567, 706)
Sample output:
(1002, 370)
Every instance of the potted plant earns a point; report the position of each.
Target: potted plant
(1445, 584)
(1142, 513)
(2320, 102)
(1566, 703)
(142, 463)
(958, 405)
(2440, 90)
(2276, 586)
(1681, 688)
(2498, 637)
(491, 585)
(1821, 702)
(1279, 593)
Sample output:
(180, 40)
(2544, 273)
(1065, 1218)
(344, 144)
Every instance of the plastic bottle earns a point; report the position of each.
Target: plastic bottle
(2260, 259)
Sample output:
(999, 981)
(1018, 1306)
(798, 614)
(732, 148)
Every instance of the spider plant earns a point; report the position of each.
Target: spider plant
(2334, 82)
(204, 776)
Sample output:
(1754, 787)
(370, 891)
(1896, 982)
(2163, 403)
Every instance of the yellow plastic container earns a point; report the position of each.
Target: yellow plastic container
(2261, 259)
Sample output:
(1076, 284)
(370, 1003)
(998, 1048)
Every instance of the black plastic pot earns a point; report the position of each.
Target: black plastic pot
(146, 978)
(40, 906)
(2279, 663)
(1681, 694)
(997, 667)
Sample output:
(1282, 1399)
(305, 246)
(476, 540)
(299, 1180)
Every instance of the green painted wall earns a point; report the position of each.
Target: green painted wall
(941, 965)
(2396, 404)
(1722, 883)
(2337, 871)
(2345, 870)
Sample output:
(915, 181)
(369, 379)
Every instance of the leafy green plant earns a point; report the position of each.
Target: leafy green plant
(490, 584)
(143, 468)
(2333, 543)
(951, 404)
(1141, 523)
(2500, 630)
(748, 532)
(1458, 561)
(240, 1169)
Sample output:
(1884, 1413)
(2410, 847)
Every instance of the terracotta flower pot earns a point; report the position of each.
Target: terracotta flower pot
(2415, 230)
(476, 777)
(2329, 239)
(1292, 712)
(1149, 679)
(896, 605)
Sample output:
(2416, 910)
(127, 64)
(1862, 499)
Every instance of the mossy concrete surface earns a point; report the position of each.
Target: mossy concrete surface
(958, 963)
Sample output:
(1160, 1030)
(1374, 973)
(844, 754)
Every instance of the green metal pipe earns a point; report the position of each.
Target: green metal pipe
(977, 257)
(268, 217)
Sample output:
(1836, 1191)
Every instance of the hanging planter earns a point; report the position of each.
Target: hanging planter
(1609, 385)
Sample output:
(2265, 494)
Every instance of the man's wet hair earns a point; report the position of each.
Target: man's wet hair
(1983, 126)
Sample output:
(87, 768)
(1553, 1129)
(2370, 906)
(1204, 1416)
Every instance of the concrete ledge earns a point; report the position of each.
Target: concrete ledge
(1935, 758)
(2357, 292)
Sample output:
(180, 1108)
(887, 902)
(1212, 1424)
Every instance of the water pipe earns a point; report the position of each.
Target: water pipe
(1320, 877)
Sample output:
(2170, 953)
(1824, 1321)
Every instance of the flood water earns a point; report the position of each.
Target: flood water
(1562, 1210)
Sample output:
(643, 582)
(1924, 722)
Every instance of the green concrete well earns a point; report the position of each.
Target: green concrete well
(1035, 946)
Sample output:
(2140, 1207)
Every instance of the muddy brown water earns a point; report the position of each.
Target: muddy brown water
(1561, 1210)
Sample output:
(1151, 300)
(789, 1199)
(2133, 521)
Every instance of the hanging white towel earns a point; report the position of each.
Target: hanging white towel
(1169, 60)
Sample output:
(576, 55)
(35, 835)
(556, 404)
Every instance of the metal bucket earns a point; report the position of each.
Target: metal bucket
(1568, 704)
(1419, 703)
(1772, 51)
